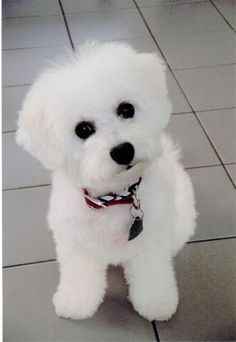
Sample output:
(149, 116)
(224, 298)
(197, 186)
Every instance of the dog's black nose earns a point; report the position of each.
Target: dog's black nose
(123, 154)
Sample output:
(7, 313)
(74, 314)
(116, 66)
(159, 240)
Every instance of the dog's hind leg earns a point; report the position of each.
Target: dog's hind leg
(184, 224)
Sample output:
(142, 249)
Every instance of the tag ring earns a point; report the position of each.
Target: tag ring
(138, 212)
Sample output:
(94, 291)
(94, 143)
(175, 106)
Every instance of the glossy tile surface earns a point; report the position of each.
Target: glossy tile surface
(188, 135)
(147, 3)
(178, 100)
(26, 237)
(206, 275)
(228, 9)
(19, 168)
(106, 25)
(231, 168)
(215, 203)
(12, 98)
(183, 18)
(209, 88)
(30, 289)
(220, 126)
(28, 32)
(75, 6)
(26, 8)
(199, 49)
(27, 64)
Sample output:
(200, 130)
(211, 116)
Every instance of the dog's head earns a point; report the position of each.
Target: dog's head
(98, 118)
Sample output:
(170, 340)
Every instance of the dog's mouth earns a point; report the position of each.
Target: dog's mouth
(132, 169)
(125, 168)
(119, 179)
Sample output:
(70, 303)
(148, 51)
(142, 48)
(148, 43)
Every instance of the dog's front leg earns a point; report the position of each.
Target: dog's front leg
(152, 285)
(81, 288)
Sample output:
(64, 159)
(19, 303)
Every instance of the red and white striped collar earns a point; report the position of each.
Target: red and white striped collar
(110, 199)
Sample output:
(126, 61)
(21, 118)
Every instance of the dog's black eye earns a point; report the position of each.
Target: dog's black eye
(126, 110)
(84, 129)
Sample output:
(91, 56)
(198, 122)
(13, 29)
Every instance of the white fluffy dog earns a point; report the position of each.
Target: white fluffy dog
(119, 194)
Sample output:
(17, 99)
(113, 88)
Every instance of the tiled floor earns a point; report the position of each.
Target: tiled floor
(197, 42)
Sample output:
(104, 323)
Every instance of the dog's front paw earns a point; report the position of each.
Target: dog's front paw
(73, 305)
(155, 305)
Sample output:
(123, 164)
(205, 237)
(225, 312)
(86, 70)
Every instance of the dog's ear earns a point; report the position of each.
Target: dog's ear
(36, 131)
(154, 68)
(153, 72)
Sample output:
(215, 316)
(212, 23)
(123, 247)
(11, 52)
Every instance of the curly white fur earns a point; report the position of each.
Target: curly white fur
(90, 87)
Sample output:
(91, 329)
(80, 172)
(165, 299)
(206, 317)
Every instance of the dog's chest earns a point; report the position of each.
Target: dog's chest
(111, 224)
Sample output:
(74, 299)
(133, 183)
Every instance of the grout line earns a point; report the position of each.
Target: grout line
(16, 85)
(201, 166)
(172, 4)
(32, 16)
(155, 331)
(204, 67)
(98, 10)
(213, 239)
(30, 263)
(118, 39)
(188, 33)
(67, 27)
(26, 187)
(115, 40)
(214, 109)
(153, 323)
(70, 13)
(233, 163)
(181, 113)
(221, 14)
(13, 131)
(35, 47)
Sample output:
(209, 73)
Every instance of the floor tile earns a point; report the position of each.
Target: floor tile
(24, 220)
(220, 126)
(28, 32)
(209, 88)
(19, 168)
(31, 61)
(106, 25)
(215, 203)
(23, 8)
(232, 171)
(12, 98)
(228, 9)
(29, 290)
(183, 18)
(199, 49)
(206, 274)
(147, 3)
(180, 104)
(75, 6)
(195, 147)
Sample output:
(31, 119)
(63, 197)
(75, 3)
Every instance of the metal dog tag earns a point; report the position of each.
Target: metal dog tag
(136, 228)
(136, 212)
